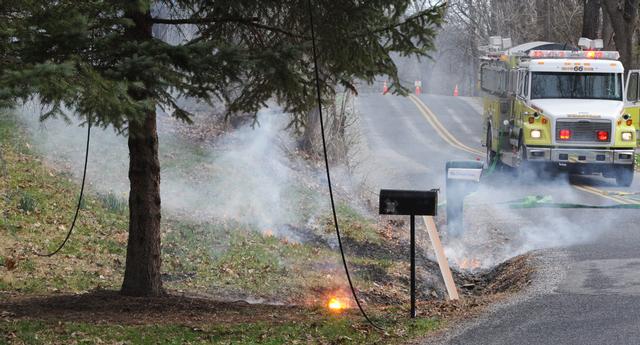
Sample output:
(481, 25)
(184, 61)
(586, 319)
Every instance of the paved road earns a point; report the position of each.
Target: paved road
(594, 296)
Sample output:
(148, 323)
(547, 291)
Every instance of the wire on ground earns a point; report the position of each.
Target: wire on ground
(326, 163)
(75, 217)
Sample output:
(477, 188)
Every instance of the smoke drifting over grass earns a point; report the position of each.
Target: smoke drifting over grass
(250, 175)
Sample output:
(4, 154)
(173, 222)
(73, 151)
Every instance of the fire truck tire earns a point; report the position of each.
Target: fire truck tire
(624, 175)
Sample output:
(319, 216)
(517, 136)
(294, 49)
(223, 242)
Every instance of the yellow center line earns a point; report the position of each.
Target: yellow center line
(435, 125)
(605, 194)
(597, 193)
(440, 129)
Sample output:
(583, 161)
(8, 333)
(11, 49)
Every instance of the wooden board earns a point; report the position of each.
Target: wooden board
(441, 257)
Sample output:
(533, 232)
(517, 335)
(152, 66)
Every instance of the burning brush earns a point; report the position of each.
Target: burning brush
(336, 301)
(469, 264)
(336, 305)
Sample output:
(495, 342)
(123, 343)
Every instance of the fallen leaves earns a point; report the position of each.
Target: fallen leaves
(121, 237)
(10, 263)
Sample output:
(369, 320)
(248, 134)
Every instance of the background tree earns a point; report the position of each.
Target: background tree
(470, 23)
(623, 17)
(591, 21)
(102, 62)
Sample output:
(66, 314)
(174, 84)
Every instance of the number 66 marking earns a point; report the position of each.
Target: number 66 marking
(578, 68)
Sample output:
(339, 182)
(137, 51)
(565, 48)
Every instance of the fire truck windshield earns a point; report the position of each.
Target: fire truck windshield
(576, 85)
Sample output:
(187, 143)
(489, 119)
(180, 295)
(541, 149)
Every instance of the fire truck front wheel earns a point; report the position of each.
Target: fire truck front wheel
(624, 175)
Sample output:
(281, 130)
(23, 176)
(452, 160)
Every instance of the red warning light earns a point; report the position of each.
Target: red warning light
(603, 136)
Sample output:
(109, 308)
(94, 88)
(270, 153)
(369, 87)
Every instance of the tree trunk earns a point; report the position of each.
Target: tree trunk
(591, 19)
(3, 165)
(142, 269)
(543, 19)
(311, 130)
(607, 32)
(623, 16)
(142, 273)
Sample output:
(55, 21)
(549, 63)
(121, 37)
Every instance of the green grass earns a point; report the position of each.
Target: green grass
(113, 203)
(223, 256)
(27, 203)
(38, 204)
(327, 330)
(355, 225)
(233, 257)
(218, 258)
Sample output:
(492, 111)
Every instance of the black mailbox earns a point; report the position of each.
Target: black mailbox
(408, 202)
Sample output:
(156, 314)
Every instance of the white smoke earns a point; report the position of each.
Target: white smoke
(250, 175)
(495, 232)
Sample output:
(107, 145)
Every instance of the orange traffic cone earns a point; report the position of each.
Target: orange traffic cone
(455, 91)
(385, 88)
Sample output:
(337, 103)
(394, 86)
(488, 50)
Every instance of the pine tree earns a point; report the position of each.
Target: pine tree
(101, 60)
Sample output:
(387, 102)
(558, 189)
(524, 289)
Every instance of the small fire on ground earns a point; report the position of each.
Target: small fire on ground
(284, 239)
(336, 304)
(469, 264)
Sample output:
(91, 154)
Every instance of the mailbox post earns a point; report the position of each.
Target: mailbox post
(463, 178)
(410, 203)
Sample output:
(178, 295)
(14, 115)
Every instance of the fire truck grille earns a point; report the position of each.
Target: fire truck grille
(583, 131)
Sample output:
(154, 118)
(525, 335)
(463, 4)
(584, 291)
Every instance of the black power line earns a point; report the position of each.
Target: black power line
(75, 217)
(326, 163)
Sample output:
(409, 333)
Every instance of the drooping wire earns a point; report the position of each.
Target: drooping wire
(326, 163)
(75, 217)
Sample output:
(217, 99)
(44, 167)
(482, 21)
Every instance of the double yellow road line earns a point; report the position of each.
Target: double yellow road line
(607, 195)
(440, 129)
(451, 140)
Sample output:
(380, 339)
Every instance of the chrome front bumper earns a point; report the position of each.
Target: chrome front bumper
(580, 156)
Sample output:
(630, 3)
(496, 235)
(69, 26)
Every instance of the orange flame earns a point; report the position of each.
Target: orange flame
(336, 304)
(475, 263)
(472, 264)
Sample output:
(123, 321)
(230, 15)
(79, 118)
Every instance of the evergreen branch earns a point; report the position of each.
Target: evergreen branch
(201, 20)
(410, 19)
(253, 22)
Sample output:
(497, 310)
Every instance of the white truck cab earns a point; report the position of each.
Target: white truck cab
(562, 108)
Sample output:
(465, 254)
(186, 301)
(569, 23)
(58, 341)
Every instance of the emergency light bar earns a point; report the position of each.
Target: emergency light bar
(569, 54)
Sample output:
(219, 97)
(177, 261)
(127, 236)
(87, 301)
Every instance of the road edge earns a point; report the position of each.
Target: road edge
(549, 270)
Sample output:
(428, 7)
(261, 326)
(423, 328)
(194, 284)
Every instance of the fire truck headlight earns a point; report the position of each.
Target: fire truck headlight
(536, 134)
(627, 136)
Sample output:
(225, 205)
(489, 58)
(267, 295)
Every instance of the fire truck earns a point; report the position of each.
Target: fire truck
(550, 106)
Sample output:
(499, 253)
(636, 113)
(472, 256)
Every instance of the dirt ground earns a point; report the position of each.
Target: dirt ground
(104, 306)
